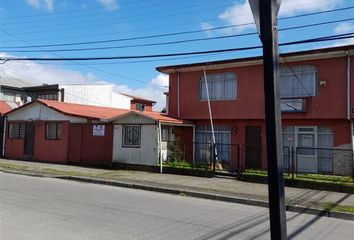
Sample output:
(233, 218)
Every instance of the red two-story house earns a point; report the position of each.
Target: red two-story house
(317, 103)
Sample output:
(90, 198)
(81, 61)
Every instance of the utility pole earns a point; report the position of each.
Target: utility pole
(265, 14)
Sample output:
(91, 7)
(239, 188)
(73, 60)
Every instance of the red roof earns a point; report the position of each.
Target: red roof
(4, 107)
(95, 112)
(79, 110)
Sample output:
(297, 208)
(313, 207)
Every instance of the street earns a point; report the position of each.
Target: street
(47, 208)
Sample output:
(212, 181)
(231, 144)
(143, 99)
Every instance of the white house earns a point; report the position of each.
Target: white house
(141, 137)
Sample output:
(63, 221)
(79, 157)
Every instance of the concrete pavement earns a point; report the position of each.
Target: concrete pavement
(216, 186)
(47, 208)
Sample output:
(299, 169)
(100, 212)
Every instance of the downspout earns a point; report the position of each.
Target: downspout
(160, 145)
(348, 98)
(348, 86)
(178, 107)
(4, 137)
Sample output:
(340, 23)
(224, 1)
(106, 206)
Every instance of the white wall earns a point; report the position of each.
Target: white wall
(95, 94)
(37, 111)
(147, 154)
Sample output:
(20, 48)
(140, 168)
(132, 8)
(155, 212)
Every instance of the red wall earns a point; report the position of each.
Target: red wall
(250, 104)
(14, 148)
(51, 150)
(148, 105)
(95, 150)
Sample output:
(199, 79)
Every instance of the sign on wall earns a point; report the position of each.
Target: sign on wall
(98, 130)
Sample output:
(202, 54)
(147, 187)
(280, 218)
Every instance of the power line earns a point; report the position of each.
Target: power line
(140, 20)
(176, 42)
(312, 40)
(183, 24)
(91, 67)
(215, 2)
(173, 33)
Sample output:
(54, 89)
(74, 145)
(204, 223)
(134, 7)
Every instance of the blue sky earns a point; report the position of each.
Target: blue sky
(40, 22)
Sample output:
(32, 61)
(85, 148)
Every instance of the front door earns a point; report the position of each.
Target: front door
(253, 147)
(306, 152)
(29, 140)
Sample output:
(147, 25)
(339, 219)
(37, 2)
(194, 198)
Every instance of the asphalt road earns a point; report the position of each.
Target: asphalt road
(44, 208)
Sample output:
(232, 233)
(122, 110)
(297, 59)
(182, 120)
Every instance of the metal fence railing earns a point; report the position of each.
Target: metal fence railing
(237, 158)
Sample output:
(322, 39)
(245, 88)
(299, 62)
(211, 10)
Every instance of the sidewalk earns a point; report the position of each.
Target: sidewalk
(216, 188)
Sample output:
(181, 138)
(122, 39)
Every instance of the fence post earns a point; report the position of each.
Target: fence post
(292, 163)
(238, 159)
(213, 156)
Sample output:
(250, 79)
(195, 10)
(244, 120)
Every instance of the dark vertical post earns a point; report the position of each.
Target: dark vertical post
(292, 162)
(213, 155)
(268, 26)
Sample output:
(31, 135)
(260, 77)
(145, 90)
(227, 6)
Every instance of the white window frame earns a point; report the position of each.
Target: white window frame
(289, 71)
(123, 137)
(212, 78)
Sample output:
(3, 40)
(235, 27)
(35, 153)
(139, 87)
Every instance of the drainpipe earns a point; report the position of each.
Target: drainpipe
(160, 145)
(4, 137)
(178, 107)
(348, 98)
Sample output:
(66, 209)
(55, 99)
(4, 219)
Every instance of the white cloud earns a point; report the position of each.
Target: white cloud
(206, 26)
(344, 27)
(38, 74)
(109, 5)
(38, 4)
(153, 91)
(240, 13)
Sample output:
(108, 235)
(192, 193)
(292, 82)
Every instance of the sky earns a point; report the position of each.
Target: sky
(29, 23)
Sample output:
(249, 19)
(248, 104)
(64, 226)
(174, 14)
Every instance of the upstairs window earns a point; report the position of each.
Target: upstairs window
(222, 86)
(139, 106)
(131, 136)
(53, 131)
(297, 81)
(17, 130)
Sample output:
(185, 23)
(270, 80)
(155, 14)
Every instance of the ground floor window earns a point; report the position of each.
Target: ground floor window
(17, 130)
(203, 140)
(131, 136)
(53, 131)
(313, 146)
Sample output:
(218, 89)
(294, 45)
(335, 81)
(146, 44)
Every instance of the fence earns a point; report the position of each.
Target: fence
(235, 158)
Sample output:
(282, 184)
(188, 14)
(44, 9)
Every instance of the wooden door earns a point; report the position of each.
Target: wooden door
(75, 143)
(29, 140)
(253, 147)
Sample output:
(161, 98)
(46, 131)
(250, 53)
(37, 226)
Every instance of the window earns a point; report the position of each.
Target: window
(139, 106)
(48, 96)
(9, 96)
(131, 136)
(203, 138)
(53, 131)
(222, 86)
(298, 81)
(17, 130)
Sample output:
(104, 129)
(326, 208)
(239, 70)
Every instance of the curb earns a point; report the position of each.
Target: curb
(247, 201)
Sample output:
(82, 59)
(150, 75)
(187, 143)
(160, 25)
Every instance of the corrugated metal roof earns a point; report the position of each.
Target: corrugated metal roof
(16, 82)
(80, 110)
(157, 116)
(100, 113)
(4, 107)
